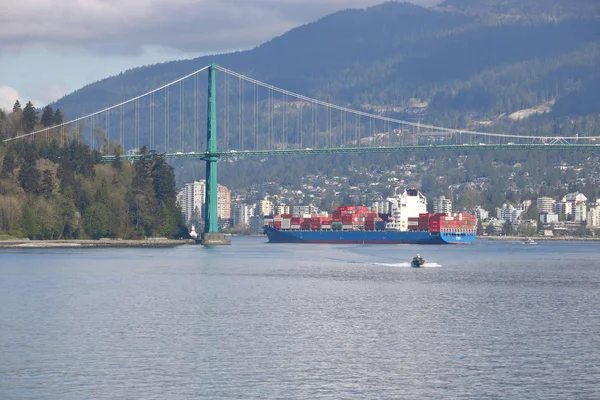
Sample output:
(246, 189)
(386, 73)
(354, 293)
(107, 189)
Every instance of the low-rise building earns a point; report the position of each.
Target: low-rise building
(481, 214)
(509, 213)
(548, 218)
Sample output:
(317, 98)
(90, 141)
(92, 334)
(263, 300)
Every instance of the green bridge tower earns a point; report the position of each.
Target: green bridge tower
(211, 235)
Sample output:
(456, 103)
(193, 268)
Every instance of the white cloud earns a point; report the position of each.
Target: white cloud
(8, 96)
(125, 27)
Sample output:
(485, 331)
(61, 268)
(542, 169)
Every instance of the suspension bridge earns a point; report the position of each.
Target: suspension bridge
(257, 119)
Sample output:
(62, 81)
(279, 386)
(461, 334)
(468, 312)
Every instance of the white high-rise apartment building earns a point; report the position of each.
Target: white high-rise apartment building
(193, 196)
(242, 213)
(593, 217)
(265, 207)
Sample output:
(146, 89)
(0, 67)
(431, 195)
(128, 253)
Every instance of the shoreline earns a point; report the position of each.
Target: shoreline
(540, 238)
(44, 244)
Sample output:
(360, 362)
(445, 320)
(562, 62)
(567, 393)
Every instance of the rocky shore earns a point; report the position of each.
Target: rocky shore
(18, 243)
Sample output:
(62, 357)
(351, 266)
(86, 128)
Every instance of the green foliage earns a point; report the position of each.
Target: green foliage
(59, 117)
(30, 117)
(8, 165)
(30, 225)
(94, 200)
(508, 229)
(47, 118)
(17, 106)
(98, 222)
(29, 175)
(47, 186)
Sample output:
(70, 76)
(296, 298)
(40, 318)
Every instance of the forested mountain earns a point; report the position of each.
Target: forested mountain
(470, 61)
(530, 9)
(460, 54)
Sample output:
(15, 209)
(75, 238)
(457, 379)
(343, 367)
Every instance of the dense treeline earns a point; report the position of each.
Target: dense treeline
(53, 192)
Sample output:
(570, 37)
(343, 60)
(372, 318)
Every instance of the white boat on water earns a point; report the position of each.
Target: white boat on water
(530, 241)
(193, 233)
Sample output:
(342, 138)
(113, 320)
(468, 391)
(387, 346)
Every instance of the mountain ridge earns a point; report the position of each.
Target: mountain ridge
(393, 52)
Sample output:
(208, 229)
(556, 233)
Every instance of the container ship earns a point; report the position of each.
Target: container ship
(408, 222)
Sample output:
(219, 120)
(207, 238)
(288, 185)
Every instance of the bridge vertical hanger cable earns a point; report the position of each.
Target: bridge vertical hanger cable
(300, 123)
(270, 145)
(107, 132)
(92, 132)
(195, 114)
(241, 111)
(137, 124)
(121, 130)
(181, 116)
(168, 119)
(226, 91)
(152, 146)
(254, 117)
(312, 124)
(165, 106)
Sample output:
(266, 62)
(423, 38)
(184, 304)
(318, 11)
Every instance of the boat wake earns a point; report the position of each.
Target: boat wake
(407, 265)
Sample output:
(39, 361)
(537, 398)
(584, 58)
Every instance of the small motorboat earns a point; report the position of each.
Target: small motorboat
(529, 241)
(417, 262)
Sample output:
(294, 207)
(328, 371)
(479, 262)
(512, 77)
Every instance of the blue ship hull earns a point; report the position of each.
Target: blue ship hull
(367, 237)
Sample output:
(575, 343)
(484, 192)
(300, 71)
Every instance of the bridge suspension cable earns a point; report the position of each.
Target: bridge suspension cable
(77, 120)
(392, 120)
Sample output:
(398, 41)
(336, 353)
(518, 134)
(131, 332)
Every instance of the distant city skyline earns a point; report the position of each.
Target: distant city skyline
(49, 49)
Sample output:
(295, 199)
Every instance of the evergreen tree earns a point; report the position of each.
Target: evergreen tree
(47, 186)
(163, 179)
(17, 106)
(66, 174)
(142, 199)
(59, 117)
(8, 165)
(53, 151)
(29, 175)
(30, 224)
(30, 117)
(98, 221)
(47, 117)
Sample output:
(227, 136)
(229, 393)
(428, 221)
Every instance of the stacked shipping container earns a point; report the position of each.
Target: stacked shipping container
(361, 218)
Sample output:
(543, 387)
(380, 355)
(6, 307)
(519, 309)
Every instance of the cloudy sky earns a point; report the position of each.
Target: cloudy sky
(49, 48)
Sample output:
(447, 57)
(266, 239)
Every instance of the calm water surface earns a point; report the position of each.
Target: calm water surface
(257, 321)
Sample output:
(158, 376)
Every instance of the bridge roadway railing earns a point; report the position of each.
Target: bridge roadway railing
(380, 149)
